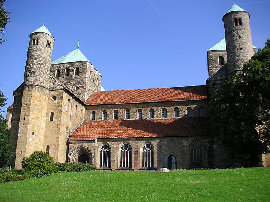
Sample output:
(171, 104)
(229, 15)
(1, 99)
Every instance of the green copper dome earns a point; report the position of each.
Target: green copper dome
(74, 56)
(42, 29)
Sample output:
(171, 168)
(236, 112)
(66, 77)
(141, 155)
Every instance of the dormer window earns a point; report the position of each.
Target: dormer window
(35, 41)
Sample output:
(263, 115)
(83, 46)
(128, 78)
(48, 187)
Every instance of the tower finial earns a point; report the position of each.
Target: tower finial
(78, 46)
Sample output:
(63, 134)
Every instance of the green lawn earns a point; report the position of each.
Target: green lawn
(245, 184)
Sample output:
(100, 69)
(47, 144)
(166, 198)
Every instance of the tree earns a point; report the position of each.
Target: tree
(5, 147)
(4, 19)
(240, 109)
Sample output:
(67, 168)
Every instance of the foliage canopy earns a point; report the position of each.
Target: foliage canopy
(240, 109)
(5, 147)
(4, 19)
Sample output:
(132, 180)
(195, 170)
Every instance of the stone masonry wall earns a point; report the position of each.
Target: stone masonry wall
(163, 147)
(71, 117)
(84, 83)
(15, 120)
(213, 61)
(145, 107)
(32, 122)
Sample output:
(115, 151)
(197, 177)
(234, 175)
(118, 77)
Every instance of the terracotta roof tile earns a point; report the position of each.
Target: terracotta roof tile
(10, 107)
(148, 95)
(195, 126)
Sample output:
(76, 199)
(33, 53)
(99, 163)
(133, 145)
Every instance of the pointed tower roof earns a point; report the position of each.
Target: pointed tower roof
(42, 29)
(235, 8)
(219, 46)
(74, 56)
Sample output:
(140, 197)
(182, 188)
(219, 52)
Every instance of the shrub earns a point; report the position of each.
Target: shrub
(11, 175)
(38, 164)
(73, 167)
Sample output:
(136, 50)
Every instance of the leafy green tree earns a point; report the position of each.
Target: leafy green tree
(5, 147)
(240, 110)
(4, 19)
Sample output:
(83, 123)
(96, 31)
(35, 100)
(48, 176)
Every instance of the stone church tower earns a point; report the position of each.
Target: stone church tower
(38, 64)
(226, 58)
(34, 94)
(238, 39)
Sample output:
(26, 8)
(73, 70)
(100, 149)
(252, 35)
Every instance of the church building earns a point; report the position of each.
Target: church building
(62, 109)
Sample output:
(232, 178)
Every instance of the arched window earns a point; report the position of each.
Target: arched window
(127, 114)
(48, 149)
(152, 113)
(67, 71)
(139, 114)
(76, 71)
(51, 116)
(237, 21)
(48, 45)
(93, 115)
(221, 60)
(196, 154)
(104, 115)
(188, 112)
(176, 112)
(83, 158)
(57, 73)
(148, 156)
(115, 115)
(172, 165)
(202, 112)
(126, 156)
(105, 156)
(164, 113)
(35, 41)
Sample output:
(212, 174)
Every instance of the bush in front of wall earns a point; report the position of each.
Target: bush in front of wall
(38, 164)
(73, 167)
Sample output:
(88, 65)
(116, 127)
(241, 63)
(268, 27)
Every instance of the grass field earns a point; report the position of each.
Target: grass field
(244, 184)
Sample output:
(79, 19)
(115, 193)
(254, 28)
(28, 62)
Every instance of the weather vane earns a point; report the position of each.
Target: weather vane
(78, 46)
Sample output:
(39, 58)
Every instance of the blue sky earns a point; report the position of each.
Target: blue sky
(133, 43)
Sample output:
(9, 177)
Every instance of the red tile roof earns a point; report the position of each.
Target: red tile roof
(10, 107)
(148, 95)
(195, 126)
